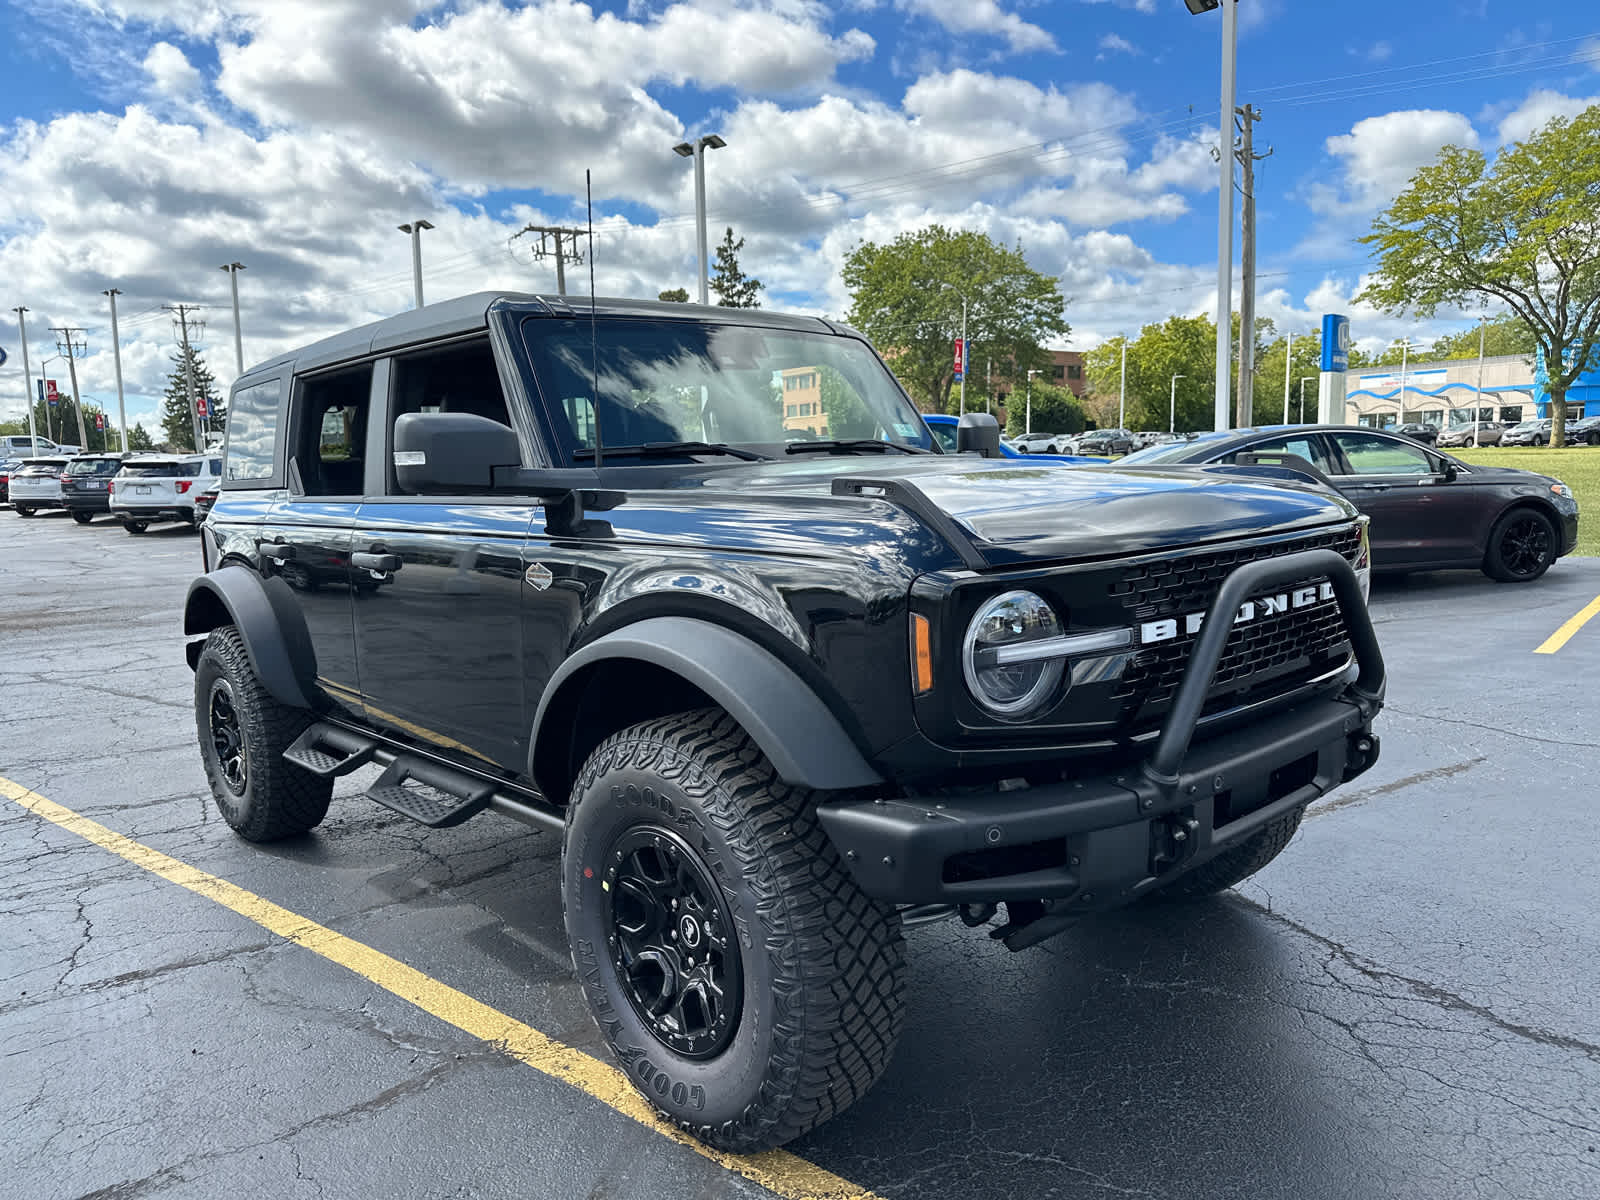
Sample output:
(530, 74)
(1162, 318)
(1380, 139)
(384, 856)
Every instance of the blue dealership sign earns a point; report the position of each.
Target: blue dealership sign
(1335, 342)
(2, 356)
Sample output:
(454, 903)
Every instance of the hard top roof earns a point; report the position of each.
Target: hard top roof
(465, 314)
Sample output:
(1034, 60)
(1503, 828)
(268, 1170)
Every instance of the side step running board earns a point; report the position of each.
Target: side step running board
(412, 784)
(327, 750)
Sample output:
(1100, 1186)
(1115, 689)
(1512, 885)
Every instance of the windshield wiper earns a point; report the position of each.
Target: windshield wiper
(846, 444)
(652, 449)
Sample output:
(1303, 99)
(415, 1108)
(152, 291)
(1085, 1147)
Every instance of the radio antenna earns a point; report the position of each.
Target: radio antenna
(594, 336)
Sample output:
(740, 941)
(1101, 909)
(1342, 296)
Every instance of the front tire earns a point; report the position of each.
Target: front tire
(1537, 440)
(793, 1007)
(1234, 865)
(243, 733)
(1522, 545)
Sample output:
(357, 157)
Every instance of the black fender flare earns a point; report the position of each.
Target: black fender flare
(794, 728)
(268, 619)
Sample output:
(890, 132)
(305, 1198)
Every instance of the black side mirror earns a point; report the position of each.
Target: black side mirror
(451, 452)
(980, 432)
(1447, 471)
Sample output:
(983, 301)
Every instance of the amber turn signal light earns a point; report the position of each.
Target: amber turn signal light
(921, 654)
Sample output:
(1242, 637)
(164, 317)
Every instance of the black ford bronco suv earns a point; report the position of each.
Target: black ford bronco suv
(696, 589)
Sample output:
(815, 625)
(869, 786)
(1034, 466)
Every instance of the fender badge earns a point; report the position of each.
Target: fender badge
(538, 577)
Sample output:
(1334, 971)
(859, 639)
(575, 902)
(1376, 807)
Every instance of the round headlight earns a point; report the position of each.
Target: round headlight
(1010, 689)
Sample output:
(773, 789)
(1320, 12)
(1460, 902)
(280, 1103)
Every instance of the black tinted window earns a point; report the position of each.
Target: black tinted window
(94, 466)
(252, 422)
(166, 470)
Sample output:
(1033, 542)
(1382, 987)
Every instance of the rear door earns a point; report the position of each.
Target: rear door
(439, 584)
(304, 539)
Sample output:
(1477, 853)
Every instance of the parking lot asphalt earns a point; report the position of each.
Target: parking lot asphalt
(1404, 1004)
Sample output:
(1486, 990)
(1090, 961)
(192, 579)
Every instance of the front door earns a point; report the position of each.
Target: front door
(1419, 519)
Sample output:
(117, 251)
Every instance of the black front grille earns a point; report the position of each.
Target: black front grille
(1263, 657)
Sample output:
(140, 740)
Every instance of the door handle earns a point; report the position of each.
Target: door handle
(375, 562)
(1378, 487)
(276, 551)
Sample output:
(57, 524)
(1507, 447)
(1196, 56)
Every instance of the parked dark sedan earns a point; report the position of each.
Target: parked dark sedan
(1429, 511)
(1105, 441)
(1428, 435)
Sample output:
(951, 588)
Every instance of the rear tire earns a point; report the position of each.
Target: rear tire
(243, 733)
(82, 518)
(1234, 865)
(1522, 545)
(136, 526)
(793, 1007)
(24, 510)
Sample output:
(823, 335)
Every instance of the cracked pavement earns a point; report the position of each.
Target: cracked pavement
(1403, 1004)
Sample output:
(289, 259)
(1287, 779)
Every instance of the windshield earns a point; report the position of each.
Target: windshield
(93, 466)
(1170, 452)
(679, 381)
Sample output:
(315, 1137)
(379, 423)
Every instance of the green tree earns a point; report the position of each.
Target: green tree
(175, 422)
(1055, 409)
(674, 295)
(1505, 334)
(1182, 346)
(847, 415)
(139, 440)
(1306, 364)
(59, 423)
(733, 287)
(1523, 231)
(906, 296)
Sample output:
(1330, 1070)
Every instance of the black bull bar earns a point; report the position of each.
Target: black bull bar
(1111, 821)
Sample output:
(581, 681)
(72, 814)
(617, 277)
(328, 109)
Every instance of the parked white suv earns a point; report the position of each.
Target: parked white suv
(161, 487)
(36, 484)
(1040, 443)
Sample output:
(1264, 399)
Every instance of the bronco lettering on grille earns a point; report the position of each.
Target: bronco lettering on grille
(1151, 632)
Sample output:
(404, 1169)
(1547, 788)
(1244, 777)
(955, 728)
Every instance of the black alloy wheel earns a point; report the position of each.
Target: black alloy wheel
(227, 738)
(1521, 547)
(672, 942)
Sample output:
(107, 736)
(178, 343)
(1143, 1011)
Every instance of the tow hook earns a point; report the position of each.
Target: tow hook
(1361, 751)
(1173, 840)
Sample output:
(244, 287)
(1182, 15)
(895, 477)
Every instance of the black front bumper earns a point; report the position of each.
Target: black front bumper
(1100, 841)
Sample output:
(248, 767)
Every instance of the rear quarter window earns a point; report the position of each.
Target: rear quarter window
(252, 428)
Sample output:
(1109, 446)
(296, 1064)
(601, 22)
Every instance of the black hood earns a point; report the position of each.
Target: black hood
(1015, 513)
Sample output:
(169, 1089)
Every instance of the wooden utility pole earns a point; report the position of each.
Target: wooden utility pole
(69, 341)
(185, 317)
(565, 249)
(1245, 152)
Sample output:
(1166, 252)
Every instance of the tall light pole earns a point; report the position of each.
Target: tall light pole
(233, 270)
(1288, 365)
(414, 228)
(697, 151)
(116, 358)
(1028, 418)
(1303, 379)
(966, 356)
(1405, 351)
(1230, 44)
(1477, 417)
(1122, 388)
(1172, 405)
(27, 373)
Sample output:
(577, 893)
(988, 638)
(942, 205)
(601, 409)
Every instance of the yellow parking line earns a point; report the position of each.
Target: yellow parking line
(776, 1170)
(1563, 635)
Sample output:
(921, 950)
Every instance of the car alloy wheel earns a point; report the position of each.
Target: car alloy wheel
(1525, 545)
(227, 737)
(672, 941)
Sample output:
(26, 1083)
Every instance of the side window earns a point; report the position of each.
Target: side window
(1307, 448)
(945, 435)
(1369, 455)
(331, 419)
(252, 423)
(459, 378)
(214, 466)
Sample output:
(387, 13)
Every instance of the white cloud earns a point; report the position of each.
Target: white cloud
(1378, 52)
(1541, 106)
(1113, 44)
(982, 16)
(171, 71)
(1380, 154)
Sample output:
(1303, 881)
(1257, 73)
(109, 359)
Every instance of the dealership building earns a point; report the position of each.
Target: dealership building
(1447, 393)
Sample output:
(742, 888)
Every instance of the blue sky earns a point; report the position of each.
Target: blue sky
(145, 142)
